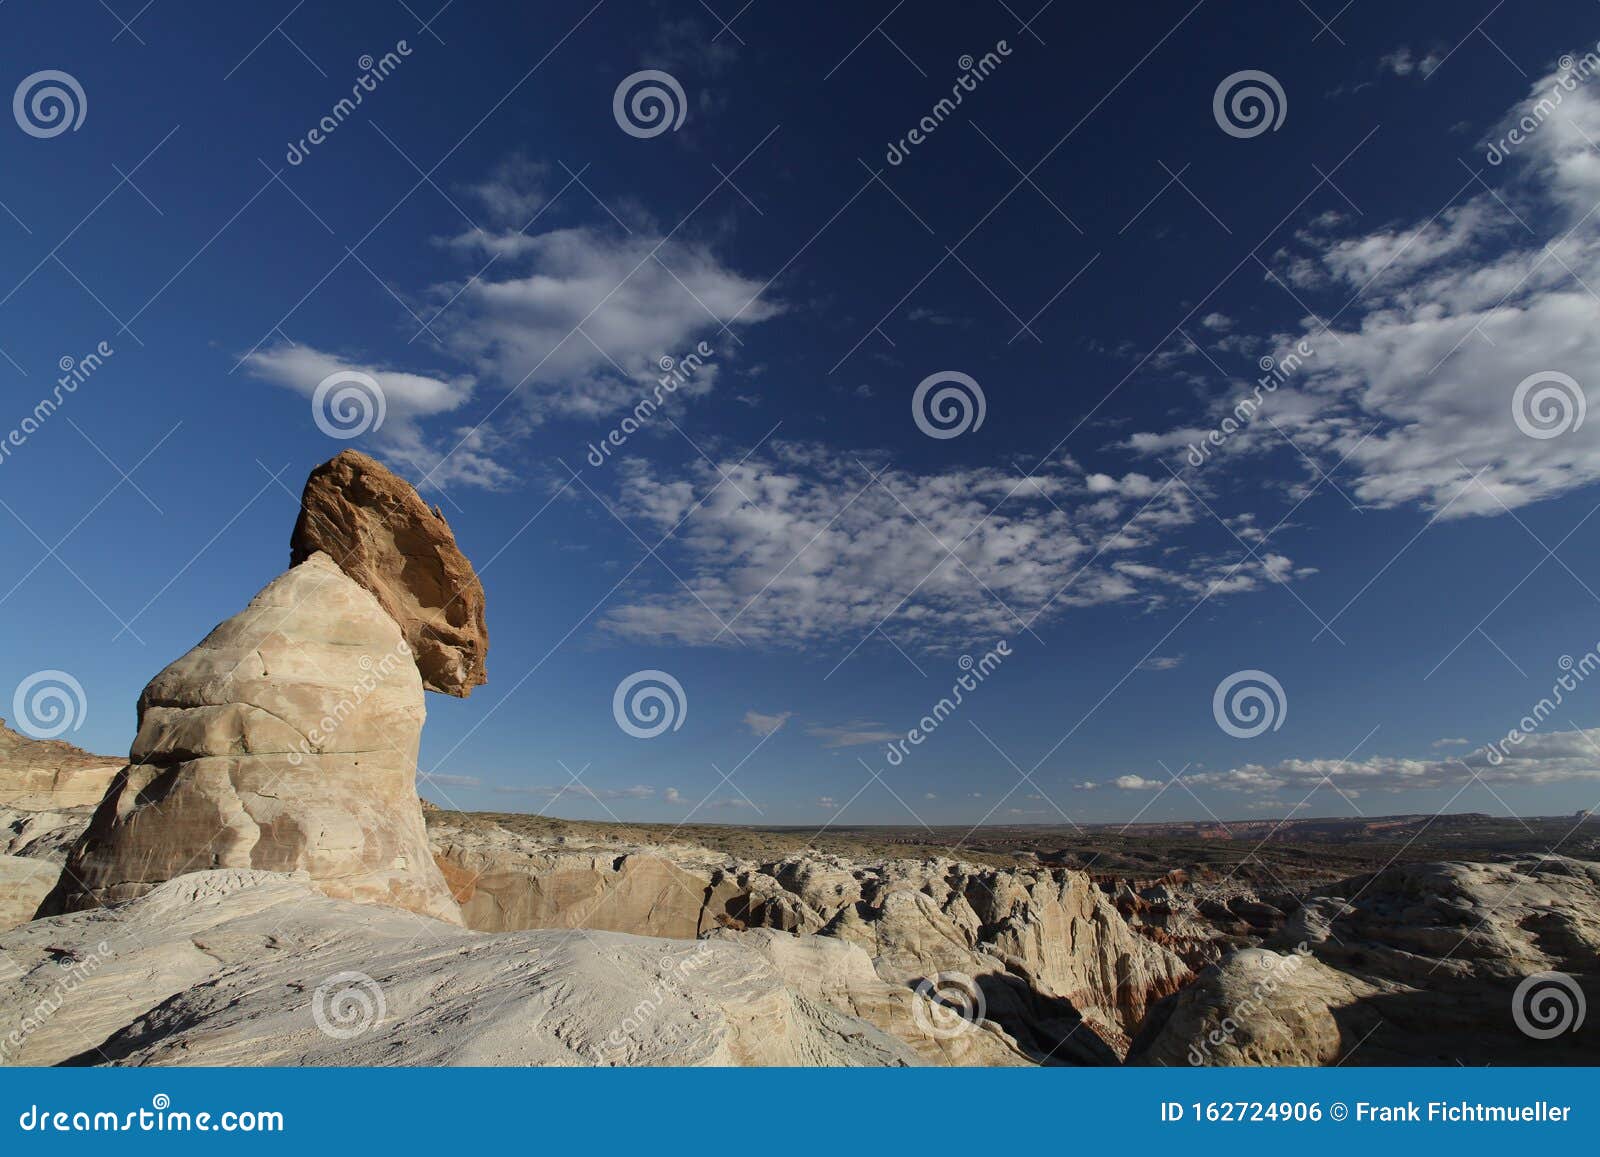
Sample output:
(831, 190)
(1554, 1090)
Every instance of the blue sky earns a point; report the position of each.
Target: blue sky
(1081, 237)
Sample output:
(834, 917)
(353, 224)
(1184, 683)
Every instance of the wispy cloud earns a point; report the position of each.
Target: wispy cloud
(1400, 62)
(577, 318)
(1438, 322)
(802, 545)
(857, 734)
(579, 791)
(760, 724)
(450, 780)
(1556, 757)
(408, 399)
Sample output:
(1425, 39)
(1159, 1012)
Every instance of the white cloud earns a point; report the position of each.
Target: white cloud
(577, 319)
(1438, 743)
(450, 780)
(1086, 785)
(514, 192)
(408, 398)
(1438, 323)
(1162, 662)
(760, 724)
(1556, 757)
(1401, 63)
(827, 802)
(799, 545)
(857, 734)
(671, 796)
(579, 791)
(1135, 783)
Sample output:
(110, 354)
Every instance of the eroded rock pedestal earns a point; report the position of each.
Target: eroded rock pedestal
(285, 741)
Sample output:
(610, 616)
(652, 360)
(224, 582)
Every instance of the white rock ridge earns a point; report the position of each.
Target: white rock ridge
(243, 967)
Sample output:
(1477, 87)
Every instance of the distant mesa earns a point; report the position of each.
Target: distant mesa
(50, 774)
(375, 526)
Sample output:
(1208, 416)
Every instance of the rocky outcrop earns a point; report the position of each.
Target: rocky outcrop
(841, 976)
(1434, 963)
(642, 894)
(49, 774)
(1459, 922)
(24, 883)
(42, 835)
(286, 740)
(374, 525)
(1261, 1007)
(48, 790)
(244, 967)
(1044, 950)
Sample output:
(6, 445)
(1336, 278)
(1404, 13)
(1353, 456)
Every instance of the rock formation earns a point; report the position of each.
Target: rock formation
(1260, 1007)
(1458, 922)
(1059, 969)
(841, 976)
(241, 967)
(48, 790)
(49, 774)
(1417, 964)
(643, 894)
(24, 883)
(380, 532)
(286, 740)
